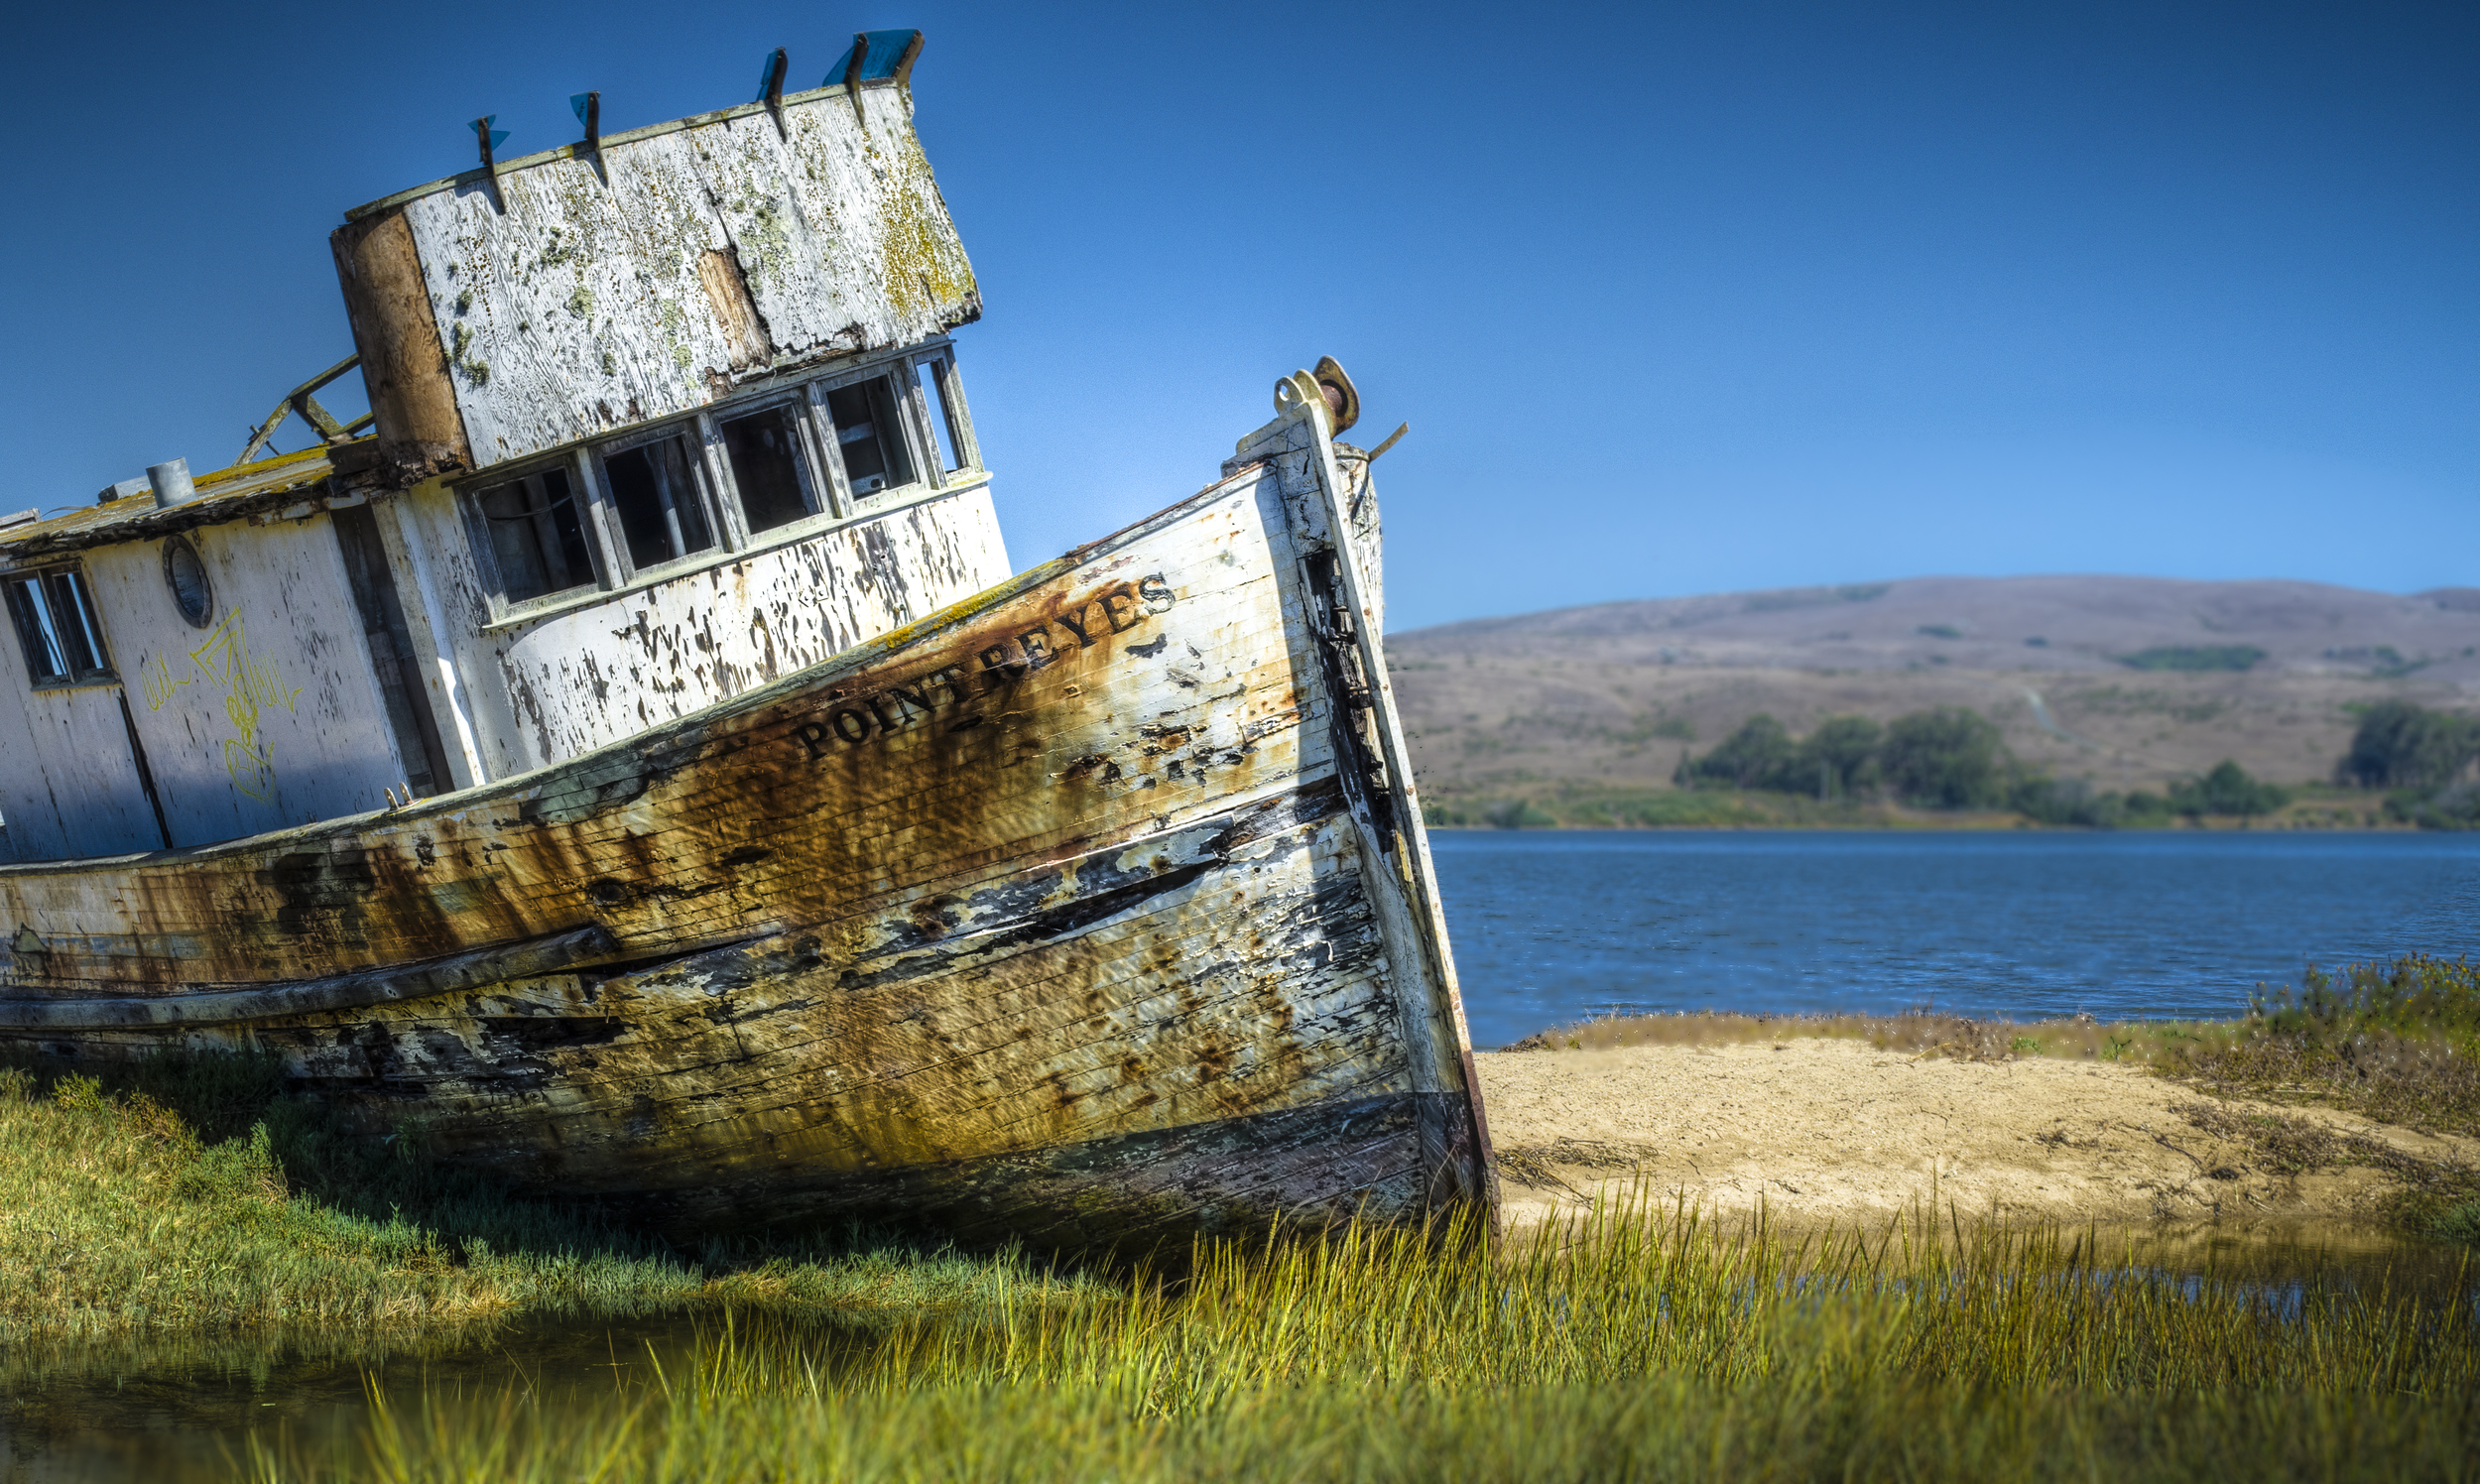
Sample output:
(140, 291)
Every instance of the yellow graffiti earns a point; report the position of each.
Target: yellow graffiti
(250, 685)
(155, 678)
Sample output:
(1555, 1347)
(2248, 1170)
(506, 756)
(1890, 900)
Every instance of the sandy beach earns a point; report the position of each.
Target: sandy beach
(1825, 1130)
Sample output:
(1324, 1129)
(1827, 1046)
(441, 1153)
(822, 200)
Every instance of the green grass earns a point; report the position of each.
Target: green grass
(189, 1193)
(192, 1199)
(1634, 1344)
(2194, 657)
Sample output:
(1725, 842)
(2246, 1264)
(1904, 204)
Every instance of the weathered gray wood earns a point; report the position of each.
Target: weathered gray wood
(271, 715)
(601, 290)
(290, 1000)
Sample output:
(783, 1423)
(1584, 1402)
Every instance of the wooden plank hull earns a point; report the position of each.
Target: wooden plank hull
(1087, 912)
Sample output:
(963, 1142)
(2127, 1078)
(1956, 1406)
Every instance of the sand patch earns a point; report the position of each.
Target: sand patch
(1828, 1130)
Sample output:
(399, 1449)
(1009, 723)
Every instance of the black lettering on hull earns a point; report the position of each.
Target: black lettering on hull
(1122, 608)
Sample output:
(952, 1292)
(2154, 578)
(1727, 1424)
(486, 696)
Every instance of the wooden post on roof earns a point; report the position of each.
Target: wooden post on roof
(488, 137)
(771, 88)
(852, 75)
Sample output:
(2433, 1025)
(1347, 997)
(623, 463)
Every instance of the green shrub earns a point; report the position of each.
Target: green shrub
(1757, 756)
(2144, 806)
(1518, 814)
(2457, 808)
(1842, 752)
(2400, 745)
(1947, 759)
(2227, 790)
(1836, 761)
(2397, 1040)
(2194, 657)
(2067, 802)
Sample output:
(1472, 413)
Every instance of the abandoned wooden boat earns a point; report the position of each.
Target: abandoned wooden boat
(663, 795)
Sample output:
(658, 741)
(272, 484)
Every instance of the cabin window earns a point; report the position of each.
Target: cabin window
(659, 498)
(185, 575)
(768, 468)
(869, 435)
(950, 429)
(538, 536)
(56, 624)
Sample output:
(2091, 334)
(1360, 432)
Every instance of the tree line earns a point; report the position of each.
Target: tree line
(2418, 757)
(1954, 758)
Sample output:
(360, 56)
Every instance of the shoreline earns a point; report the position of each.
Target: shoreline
(1817, 1131)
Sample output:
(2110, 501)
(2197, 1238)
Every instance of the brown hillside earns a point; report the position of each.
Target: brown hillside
(1610, 695)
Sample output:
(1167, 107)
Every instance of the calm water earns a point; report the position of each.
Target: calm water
(1553, 925)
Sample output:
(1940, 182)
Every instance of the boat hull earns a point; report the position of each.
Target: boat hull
(1087, 913)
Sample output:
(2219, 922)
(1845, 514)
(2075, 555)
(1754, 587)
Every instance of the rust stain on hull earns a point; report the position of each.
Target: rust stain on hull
(1075, 914)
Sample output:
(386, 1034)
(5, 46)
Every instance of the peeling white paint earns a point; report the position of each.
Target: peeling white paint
(592, 293)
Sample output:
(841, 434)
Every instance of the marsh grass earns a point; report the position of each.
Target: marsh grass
(190, 1192)
(2397, 1040)
(1634, 1342)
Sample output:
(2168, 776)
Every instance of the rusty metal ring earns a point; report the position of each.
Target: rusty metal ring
(1342, 398)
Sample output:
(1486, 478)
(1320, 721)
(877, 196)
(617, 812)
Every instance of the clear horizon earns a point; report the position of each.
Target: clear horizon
(1675, 300)
(1885, 582)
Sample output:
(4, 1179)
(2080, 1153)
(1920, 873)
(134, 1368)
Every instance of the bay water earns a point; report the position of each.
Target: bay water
(1551, 927)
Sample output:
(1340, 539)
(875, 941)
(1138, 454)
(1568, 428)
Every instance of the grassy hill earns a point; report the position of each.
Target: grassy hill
(2128, 682)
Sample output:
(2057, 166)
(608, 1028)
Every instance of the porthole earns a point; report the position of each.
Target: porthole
(186, 575)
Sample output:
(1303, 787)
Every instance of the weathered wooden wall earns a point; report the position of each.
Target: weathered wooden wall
(266, 719)
(69, 786)
(543, 689)
(270, 716)
(583, 292)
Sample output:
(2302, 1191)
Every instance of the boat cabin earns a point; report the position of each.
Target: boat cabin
(655, 417)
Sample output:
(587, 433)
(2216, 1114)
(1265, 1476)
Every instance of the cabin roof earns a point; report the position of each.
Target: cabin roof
(885, 65)
(229, 494)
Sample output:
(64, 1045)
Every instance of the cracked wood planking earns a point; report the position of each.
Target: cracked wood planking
(1089, 912)
(499, 314)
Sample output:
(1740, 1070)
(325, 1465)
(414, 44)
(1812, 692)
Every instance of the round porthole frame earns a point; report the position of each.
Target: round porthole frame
(204, 615)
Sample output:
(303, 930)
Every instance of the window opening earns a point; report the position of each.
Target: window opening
(186, 575)
(56, 624)
(767, 469)
(655, 492)
(938, 375)
(537, 539)
(869, 435)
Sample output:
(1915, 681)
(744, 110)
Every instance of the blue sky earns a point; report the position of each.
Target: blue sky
(1676, 298)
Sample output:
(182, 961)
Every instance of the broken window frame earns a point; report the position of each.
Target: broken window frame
(582, 496)
(34, 599)
(906, 396)
(818, 490)
(934, 370)
(700, 457)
